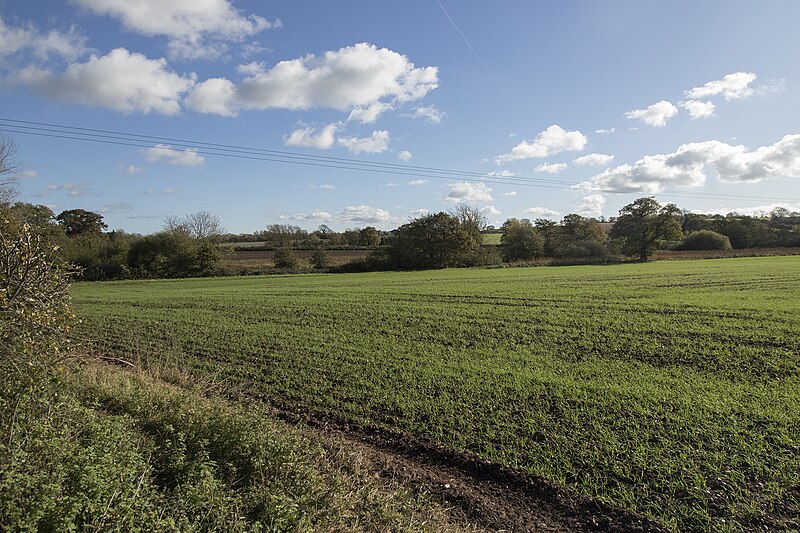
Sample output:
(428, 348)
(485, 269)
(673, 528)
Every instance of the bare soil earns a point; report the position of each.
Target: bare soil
(475, 491)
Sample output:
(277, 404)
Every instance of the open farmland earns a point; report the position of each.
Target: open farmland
(671, 389)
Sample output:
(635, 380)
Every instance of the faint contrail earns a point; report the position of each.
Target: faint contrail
(466, 40)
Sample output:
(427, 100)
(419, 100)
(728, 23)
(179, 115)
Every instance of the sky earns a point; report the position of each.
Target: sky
(356, 113)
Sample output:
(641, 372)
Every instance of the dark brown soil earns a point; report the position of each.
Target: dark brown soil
(474, 490)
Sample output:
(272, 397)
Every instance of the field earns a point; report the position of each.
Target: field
(671, 389)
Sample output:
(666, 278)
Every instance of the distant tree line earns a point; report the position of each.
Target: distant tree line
(190, 246)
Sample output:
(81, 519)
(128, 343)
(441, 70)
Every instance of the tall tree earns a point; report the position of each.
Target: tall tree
(520, 240)
(642, 225)
(431, 241)
(8, 169)
(81, 222)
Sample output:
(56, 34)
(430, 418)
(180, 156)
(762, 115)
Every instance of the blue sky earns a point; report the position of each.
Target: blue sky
(534, 109)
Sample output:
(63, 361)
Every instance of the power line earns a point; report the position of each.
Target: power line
(66, 132)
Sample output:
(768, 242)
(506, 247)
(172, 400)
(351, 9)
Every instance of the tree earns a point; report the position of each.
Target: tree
(172, 255)
(320, 260)
(197, 225)
(576, 228)
(80, 222)
(472, 221)
(369, 236)
(431, 241)
(642, 225)
(284, 259)
(8, 169)
(520, 240)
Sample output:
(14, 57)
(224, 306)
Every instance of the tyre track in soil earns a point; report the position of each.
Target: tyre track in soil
(473, 490)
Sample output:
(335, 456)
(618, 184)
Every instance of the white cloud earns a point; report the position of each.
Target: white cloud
(420, 212)
(686, 167)
(430, 114)
(215, 96)
(314, 215)
(655, 115)
(698, 109)
(313, 138)
(376, 143)
(465, 191)
(605, 131)
(405, 155)
(164, 153)
(551, 168)
(509, 194)
(500, 174)
(194, 28)
(592, 205)
(114, 208)
(391, 184)
(755, 211)
(369, 114)
(16, 39)
(130, 169)
(72, 189)
(771, 87)
(415, 183)
(361, 77)
(324, 187)
(541, 212)
(731, 87)
(594, 160)
(364, 213)
(551, 141)
(27, 174)
(123, 81)
(491, 211)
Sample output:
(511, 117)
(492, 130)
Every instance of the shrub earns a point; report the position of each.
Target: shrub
(320, 260)
(706, 240)
(285, 259)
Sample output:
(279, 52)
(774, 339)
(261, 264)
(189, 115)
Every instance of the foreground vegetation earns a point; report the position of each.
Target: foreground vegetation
(84, 446)
(671, 389)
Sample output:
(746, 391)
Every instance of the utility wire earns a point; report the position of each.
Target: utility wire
(60, 131)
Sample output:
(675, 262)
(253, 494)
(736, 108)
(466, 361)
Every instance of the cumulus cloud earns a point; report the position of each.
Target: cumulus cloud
(732, 87)
(370, 113)
(592, 205)
(541, 212)
(698, 109)
(605, 131)
(510, 194)
(466, 191)
(364, 213)
(594, 160)
(687, 166)
(164, 153)
(313, 138)
(324, 187)
(416, 183)
(16, 39)
(405, 155)
(755, 211)
(376, 143)
(491, 211)
(194, 28)
(551, 141)
(429, 113)
(360, 77)
(655, 115)
(214, 96)
(120, 80)
(551, 168)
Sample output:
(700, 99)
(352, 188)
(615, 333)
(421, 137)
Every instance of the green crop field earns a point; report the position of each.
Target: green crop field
(671, 389)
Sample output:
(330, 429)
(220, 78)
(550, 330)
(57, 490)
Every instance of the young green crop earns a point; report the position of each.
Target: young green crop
(671, 389)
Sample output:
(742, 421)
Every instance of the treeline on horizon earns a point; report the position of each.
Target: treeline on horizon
(195, 245)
